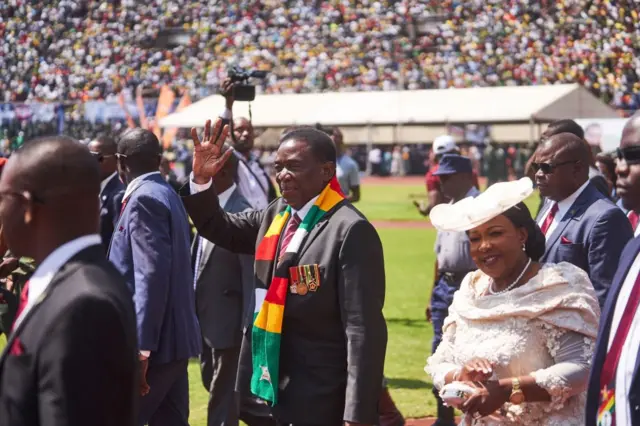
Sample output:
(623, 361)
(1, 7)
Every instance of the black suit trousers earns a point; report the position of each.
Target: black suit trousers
(167, 403)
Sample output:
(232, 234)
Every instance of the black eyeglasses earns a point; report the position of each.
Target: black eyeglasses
(548, 168)
(100, 157)
(630, 154)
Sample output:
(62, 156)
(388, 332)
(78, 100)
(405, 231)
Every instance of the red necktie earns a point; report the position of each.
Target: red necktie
(291, 229)
(16, 348)
(549, 219)
(610, 366)
(633, 218)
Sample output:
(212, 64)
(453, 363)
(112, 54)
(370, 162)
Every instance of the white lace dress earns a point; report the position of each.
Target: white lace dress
(545, 328)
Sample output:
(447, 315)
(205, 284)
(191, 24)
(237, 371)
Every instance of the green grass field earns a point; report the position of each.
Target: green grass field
(409, 262)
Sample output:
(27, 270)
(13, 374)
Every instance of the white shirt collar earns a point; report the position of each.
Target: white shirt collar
(50, 266)
(302, 213)
(565, 205)
(106, 181)
(223, 198)
(134, 184)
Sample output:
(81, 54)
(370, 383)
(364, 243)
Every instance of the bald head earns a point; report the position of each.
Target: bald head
(139, 152)
(563, 126)
(49, 190)
(569, 144)
(562, 165)
(631, 131)
(53, 164)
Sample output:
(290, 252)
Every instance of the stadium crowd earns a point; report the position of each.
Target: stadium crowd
(76, 51)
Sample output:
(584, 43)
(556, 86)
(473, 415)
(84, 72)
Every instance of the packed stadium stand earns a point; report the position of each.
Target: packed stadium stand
(85, 50)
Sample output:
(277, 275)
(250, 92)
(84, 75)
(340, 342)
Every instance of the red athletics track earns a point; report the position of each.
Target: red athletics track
(404, 180)
(427, 421)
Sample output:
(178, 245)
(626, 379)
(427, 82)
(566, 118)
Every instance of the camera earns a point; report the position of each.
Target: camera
(242, 90)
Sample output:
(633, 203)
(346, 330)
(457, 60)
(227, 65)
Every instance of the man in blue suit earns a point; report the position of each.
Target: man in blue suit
(582, 226)
(151, 248)
(103, 149)
(614, 385)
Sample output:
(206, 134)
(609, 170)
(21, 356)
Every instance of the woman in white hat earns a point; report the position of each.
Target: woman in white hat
(520, 334)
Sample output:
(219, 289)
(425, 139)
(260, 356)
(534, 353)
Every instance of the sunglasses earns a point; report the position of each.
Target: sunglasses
(630, 154)
(100, 157)
(548, 168)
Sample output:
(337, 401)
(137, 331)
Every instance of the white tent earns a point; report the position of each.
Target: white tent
(490, 105)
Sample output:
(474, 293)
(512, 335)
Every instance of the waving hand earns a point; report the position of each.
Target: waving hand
(208, 154)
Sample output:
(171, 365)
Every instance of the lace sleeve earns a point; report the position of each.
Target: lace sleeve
(443, 360)
(569, 375)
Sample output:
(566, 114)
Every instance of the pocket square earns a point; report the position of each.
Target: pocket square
(16, 348)
(565, 240)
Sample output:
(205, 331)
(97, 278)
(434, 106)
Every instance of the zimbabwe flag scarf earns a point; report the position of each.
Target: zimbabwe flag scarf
(267, 326)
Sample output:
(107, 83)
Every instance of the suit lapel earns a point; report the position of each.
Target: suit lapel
(209, 247)
(206, 254)
(88, 254)
(543, 210)
(576, 211)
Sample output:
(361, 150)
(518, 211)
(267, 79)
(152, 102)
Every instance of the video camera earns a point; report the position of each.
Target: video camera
(242, 91)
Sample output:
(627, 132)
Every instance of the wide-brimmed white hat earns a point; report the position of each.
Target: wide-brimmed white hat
(474, 211)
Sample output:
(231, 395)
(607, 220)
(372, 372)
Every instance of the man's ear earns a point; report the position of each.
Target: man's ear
(328, 171)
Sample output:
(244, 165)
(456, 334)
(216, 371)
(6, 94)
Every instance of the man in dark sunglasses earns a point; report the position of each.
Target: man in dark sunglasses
(616, 351)
(628, 170)
(582, 226)
(103, 149)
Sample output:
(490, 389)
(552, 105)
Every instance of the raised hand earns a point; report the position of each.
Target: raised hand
(208, 154)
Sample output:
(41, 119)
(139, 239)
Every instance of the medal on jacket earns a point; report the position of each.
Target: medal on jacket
(304, 278)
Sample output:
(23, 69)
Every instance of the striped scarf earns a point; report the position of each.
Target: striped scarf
(267, 326)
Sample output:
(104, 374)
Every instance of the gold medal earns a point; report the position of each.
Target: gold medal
(302, 289)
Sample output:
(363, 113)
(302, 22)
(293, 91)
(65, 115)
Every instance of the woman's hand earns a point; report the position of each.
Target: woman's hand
(476, 370)
(488, 398)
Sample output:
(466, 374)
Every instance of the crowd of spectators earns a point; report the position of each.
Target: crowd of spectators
(76, 50)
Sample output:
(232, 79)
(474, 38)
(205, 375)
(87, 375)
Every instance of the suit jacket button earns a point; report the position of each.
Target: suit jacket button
(637, 408)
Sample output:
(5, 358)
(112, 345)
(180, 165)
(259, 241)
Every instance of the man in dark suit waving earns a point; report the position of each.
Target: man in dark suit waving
(151, 248)
(71, 358)
(224, 303)
(319, 337)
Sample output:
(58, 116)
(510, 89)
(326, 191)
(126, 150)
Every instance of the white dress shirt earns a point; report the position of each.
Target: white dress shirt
(50, 266)
(629, 355)
(563, 208)
(106, 181)
(223, 198)
(134, 184)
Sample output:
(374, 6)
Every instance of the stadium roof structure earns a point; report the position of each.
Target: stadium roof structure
(484, 105)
